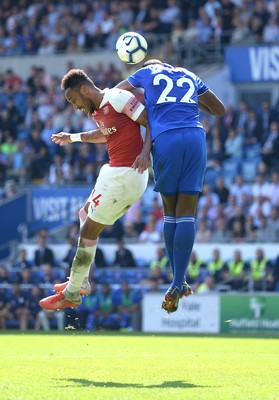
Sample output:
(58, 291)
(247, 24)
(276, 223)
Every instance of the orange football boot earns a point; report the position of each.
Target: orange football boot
(58, 301)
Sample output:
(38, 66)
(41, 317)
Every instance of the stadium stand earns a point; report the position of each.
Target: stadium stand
(242, 146)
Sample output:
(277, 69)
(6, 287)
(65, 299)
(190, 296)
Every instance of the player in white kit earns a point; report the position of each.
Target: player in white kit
(120, 183)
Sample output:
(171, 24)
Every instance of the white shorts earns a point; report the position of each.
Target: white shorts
(116, 189)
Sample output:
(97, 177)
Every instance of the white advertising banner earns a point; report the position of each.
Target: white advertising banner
(196, 314)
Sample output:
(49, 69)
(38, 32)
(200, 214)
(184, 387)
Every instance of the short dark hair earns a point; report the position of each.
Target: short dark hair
(74, 79)
(153, 61)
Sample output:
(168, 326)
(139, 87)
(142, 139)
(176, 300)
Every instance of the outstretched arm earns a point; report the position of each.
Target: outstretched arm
(211, 104)
(125, 85)
(94, 136)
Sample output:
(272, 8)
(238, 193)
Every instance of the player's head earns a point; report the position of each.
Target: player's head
(78, 90)
(151, 62)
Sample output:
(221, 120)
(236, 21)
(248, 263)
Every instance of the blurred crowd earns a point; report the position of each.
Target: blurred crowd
(49, 27)
(240, 199)
(118, 286)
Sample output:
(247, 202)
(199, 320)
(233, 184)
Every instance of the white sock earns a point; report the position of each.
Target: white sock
(81, 266)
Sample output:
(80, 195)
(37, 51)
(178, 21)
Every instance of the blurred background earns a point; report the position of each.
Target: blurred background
(234, 271)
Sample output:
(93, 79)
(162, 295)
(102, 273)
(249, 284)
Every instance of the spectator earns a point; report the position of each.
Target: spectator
(239, 217)
(155, 278)
(203, 234)
(207, 193)
(20, 162)
(260, 207)
(221, 190)
(260, 268)
(150, 232)
(87, 309)
(39, 157)
(220, 233)
(208, 286)
(5, 313)
(273, 192)
(60, 172)
(123, 257)
(4, 274)
(114, 231)
(195, 268)
(252, 131)
(10, 190)
(156, 210)
(236, 272)
(67, 260)
(260, 187)
(242, 117)
(100, 260)
(128, 307)
(237, 232)
(26, 277)
(106, 316)
(234, 145)
(270, 149)
(43, 254)
(18, 307)
(250, 229)
(267, 115)
(21, 261)
(129, 230)
(272, 228)
(161, 260)
(216, 266)
(239, 187)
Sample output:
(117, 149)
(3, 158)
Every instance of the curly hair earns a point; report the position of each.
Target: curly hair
(74, 79)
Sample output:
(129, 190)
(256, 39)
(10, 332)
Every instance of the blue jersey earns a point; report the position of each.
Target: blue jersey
(171, 97)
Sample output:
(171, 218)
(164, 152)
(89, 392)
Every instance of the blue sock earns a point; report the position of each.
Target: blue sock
(169, 231)
(182, 247)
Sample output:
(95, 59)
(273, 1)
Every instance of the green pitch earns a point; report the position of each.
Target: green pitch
(136, 367)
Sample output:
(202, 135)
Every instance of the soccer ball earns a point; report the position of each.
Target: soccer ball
(131, 47)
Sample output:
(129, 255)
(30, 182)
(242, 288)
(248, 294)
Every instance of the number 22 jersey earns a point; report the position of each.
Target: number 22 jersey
(171, 97)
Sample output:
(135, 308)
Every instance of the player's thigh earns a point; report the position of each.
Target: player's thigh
(167, 155)
(115, 191)
(194, 162)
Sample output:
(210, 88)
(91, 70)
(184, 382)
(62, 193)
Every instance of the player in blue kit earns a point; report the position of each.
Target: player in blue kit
(173, 97)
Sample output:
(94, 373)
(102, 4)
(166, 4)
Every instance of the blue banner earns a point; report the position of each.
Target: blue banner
(52, 208)
(13, 215)
(253, 64)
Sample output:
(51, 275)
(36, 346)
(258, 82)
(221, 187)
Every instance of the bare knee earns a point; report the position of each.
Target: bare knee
(82, 214)
(186, 204)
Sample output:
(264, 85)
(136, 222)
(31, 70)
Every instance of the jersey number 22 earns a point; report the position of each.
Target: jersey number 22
(164, 98)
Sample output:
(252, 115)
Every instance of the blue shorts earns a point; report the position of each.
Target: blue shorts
(179, 161)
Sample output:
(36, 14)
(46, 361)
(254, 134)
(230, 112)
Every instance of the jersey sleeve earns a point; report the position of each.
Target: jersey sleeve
(137, 78)
(126, 103)
(202, 88)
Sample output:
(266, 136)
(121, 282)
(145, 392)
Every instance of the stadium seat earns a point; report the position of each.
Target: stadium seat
(230, 170)
(249, 170)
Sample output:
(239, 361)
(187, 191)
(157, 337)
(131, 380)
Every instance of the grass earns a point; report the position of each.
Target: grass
(137, 367)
